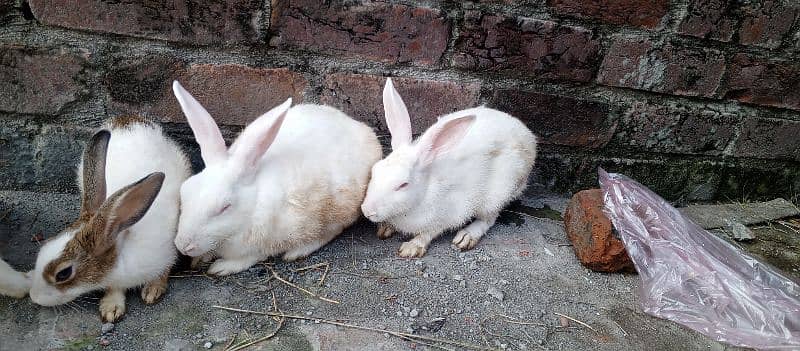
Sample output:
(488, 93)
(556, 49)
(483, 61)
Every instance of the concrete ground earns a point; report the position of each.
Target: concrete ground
(524, 269)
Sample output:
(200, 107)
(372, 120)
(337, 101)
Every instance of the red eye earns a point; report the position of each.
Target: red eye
(401, 186)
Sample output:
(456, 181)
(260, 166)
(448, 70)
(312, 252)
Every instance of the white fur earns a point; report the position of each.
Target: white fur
(145, 249)
(282, 192)
(472, 174)
(13, 283)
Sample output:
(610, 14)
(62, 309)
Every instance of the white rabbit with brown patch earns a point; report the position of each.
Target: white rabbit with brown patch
(463, 170)
(13, 283)
(123, 240)
(289, 184)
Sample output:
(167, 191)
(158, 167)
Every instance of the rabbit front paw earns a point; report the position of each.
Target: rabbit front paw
(412, 249)
(227, 267)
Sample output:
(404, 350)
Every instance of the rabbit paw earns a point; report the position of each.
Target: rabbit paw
(16, 285)
(112, 305)
(385, 231)
(465, 240)
(227, 267)
(412, 249)
(153, 290)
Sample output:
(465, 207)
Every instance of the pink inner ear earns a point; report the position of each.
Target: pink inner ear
(259, 135)
(443, 139)
(397, 118)
(205, 129)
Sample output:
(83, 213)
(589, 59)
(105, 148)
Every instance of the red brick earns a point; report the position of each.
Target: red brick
(557, 119)
(591, 234)
(766, 23)
(761, 23)
(763, 82)
(199, 22)
(232, 94)
(377, 31)
(677, 129)
(360, 96)
(39, 82)
(641, 13)
(769, 138)
(531, 47)
(711, 19)
(639, 63)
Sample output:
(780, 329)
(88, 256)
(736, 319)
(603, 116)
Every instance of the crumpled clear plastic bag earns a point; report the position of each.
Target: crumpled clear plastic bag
(694, 278)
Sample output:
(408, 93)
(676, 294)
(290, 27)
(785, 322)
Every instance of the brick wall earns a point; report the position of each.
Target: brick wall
(699, 99)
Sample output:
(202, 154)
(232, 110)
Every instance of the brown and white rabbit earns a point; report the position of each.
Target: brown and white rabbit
(122, 240)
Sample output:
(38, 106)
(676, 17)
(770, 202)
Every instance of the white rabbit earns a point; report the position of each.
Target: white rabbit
(467, 166)
(273, 193)
(13, 283)
(117, 243)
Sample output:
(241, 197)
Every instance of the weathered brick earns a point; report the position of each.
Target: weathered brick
(711, 19)
(763, 82)
(6, 6)
(542, 49)
(557, 119)
(760, 23)
(199, 22)
(377, 31)
(360, 96)
(591, 234)
(641, 13)
(677, 129)
(35, 157)
(639, 63)
(769, 138)
(232, 94)
(766, 23)
(39, 82)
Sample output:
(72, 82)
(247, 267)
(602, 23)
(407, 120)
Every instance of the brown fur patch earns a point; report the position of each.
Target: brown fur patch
(126, 121)
(91, 252)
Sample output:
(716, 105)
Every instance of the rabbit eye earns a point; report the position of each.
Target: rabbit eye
(64, 275)
(402, 186)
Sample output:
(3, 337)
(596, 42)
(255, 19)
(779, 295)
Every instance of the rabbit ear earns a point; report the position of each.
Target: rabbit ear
(124, 208)
(94, 173)
(441, 140)
(259, 135)
(397, 118)
(206, 132)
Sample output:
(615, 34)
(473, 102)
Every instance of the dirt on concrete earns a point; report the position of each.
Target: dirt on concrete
(505, 294)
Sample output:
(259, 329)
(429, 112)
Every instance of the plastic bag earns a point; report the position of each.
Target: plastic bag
(694, 278)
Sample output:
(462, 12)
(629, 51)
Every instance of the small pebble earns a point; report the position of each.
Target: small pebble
(399, 313)
(458, 277)
(104, 342)
(413, 313)
(198, 335)
(106, 328)
(309, 313)
(208, 344)
(497, 294)
(462, 284)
